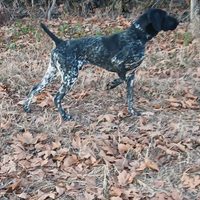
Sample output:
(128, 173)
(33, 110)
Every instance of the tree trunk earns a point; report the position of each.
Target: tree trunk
(193, 4)
(50, 10)
(4, 13)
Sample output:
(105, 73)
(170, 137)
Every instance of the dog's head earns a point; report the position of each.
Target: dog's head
(154, 20)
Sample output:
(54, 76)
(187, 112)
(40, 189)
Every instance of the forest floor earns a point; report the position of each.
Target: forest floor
(103, 153)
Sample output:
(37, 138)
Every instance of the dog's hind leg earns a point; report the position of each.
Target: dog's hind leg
(67, 83)
(129, 100)
(51, 75)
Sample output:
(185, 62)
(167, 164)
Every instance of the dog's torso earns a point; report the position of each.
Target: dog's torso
(107, 52)
(120, 52)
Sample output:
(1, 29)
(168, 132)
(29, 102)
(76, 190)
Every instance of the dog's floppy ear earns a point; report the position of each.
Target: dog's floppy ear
(156, 17)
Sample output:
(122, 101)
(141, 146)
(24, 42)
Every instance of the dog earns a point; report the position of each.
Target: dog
(120, 52)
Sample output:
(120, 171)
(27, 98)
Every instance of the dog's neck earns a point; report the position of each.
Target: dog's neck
(141, 33)
(138, 27)
(146, 25)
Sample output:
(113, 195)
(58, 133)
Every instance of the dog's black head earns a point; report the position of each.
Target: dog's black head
(154, 20)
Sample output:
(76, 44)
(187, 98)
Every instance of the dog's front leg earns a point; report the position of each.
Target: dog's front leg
(129, 100)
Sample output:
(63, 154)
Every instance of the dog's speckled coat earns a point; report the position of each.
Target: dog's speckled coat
(120, 53)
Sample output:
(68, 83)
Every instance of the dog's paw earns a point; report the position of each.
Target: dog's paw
(136, 113)
(66, 117)
(26, 108)
(109, 86)
(133, 112)
(114, 84)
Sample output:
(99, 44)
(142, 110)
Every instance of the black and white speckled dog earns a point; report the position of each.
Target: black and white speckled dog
(120, 53)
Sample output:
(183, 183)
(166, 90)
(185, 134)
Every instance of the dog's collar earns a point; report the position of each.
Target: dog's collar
(137, 26)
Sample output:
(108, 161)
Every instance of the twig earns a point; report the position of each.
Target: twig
(50, 10)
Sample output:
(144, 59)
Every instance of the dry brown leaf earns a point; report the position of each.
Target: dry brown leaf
(38, 172)
(121, 163)
(158, 107)
(89, 196)
(90, 181)
(168, 151)
(175, 194)
(174, 126)
(3, 95)
(115, 191)
(100, 118)
(180, 146)
(14, 186)
(60, 190)
(124, 147)
(86, 153)
(114, 108)
(172, 153)
(124, 127)
(176, 105)
(148, 113)
(19, 152)
(27, 138)
(159, 183)
(40, 97)
(198, 72)
(60, 158)
(196, 139)
(76, 143)
(148, 127)
(106, 158)
(69, 161)
(110, 117)
(20, 103)
(79, 143)
(43, 196)
(123, 178)
(91, 161)
(190, 96)
(47, 102)
(109, 150)
(23, 195)
(173, 100)
(161, 196)
(142, 166)
(56, 144)
(123, 113)
(80, 95)
(188, 103)
(42, 137)
(189, 182)
(131, 176)
(7, 125)
(135, 164)
(151, 164)
(116, 198)
(143, 100)
(143, 121)
(146, 89)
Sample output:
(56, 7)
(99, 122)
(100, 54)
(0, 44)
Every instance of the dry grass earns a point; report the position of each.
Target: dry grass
(170, 69)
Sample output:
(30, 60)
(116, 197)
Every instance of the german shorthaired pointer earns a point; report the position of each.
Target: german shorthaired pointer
(120, 53)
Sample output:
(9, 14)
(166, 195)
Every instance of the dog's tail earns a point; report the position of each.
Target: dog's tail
(53, 37)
